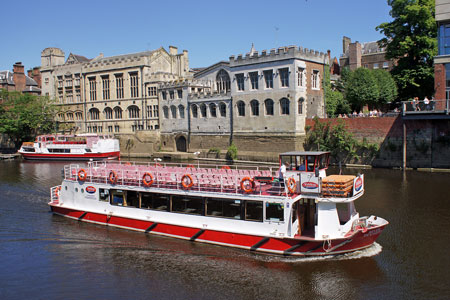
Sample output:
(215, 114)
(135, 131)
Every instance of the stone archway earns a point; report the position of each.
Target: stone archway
(181, 144)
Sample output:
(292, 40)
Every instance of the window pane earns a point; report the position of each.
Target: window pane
(275, 212)
(254, 211)
(224, 208)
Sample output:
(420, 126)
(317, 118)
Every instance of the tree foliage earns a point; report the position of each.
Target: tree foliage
(23, 116)
(386, 86)
(361, 89)
(335, 102)
(411, 39)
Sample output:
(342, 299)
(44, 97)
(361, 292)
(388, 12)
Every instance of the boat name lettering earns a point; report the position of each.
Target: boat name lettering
(310, 185)
(373, 232)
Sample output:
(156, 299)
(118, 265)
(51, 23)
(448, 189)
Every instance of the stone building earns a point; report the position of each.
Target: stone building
(18, 81)
(368, 55)
(442, 60)
(116, 94)
(258, 101)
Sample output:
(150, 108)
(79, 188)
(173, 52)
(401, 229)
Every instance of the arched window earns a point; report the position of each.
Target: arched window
(203, 110)
(254, 104)
(223, 81)
(284, 106)
(133, 112)
(166, 112)
(108, 113)
(269, 107)
(79, 116)
(69, 116)
(194, 111)
(213, 110)
(223, 109)
(117, 112)
(241, 108)
(173, 110)
(181, 111)
(94, 114)
(300, 105)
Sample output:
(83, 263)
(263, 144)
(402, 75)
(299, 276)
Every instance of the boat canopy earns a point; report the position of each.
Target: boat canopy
(306, 161)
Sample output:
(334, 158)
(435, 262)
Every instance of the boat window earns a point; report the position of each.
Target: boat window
(76, 190)
(117, 197)
(254, 211)
(88, 150)
(103, 195)
(310, 160)
(322, 162)
(300, 163)
(345, 211)
(225, 208)
(133, 198)
(274, 212)
(82, 191)
(294, 212)
(154, 201)
(188, 205)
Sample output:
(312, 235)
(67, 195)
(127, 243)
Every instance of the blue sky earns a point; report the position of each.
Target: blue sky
(210, 30)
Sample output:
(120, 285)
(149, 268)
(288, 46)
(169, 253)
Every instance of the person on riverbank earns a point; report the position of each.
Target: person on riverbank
(426, 103)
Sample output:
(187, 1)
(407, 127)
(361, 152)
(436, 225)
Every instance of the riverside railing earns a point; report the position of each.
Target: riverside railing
(430, 106)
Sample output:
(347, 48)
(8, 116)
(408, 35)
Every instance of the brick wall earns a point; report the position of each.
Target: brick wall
(439, 81)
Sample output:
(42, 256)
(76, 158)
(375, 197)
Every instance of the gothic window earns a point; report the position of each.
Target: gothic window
(117, 112)
(94, 114)
(300, 105)
(268, 79)
(92, 89)
(223, 109)
(254, 80)
(119, 86)
(284, 77)
(241, 108)
(108, 113)
(315, 79)
(134, 90)
(173, 110)
(203, 110)
(133, 112)
(223, 81)
(284, 106)
(254, 104)
(194, 111)
(213, 110)
(166, 112)
(79, 116)
(105, 85)
(240, 82)
(180, 94)
(181, 111)
(300, 77)
(269, 107)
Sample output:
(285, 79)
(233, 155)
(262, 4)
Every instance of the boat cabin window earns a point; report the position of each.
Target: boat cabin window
(254, 211)
(154, 201)
(188, 205)
(117, 197)
(88, 150)
(225, 208)
(133, 198)
(311, 160)
(274, 212)
(103, 195)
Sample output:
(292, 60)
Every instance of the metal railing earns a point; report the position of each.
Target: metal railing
(430, 106)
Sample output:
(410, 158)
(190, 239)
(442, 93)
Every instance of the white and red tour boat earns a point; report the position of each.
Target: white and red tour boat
(71, 147)
(305, 213)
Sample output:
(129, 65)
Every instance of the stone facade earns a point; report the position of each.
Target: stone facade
(368, 55)
(258, 101)
(115, 94)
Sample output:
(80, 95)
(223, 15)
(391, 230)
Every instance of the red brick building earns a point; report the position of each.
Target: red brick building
(18, 81)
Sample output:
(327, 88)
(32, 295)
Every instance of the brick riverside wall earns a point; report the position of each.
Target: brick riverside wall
(439, 81)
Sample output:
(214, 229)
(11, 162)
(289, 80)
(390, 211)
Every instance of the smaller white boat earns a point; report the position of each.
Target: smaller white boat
(71, 147)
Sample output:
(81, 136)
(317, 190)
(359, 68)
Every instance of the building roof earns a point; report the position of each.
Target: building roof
(6, 77)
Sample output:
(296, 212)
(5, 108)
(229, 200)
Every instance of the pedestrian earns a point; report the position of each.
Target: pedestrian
(426, 103)
(282, 172)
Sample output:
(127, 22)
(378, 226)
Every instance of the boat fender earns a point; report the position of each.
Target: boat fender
(291, 185)
(82, 175)
(112, 177)
(187, 181)
(247, 184)
(148, 182)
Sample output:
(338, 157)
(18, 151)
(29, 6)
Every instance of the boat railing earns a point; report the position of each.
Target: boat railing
(360, 223)
(220, 180)
(54, 194)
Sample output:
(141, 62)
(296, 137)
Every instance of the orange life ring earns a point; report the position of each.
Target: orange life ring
(158, 165)
(57, 189)
(112, 177)
(247, 184)
(225, 168)
(291, 185)
(187, 181)
(82, 175)
(128, 163)
(190, 166)
(144, 179)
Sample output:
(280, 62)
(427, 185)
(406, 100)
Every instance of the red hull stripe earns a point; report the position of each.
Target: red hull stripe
(70, 156)
(284, 246)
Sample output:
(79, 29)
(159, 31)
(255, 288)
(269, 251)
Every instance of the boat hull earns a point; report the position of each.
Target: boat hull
(272, 245)
(65, 156)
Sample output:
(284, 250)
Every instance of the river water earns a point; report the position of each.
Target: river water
(44, 256)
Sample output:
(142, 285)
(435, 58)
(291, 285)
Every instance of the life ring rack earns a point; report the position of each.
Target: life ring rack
(291, 185)
(247, 184)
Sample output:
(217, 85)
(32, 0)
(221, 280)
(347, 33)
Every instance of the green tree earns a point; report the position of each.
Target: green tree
(411, 40)
(23, 116)
(335, 102)
(386, 87)
(361, 89)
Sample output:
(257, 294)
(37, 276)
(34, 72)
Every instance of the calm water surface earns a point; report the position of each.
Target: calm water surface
(50, 257)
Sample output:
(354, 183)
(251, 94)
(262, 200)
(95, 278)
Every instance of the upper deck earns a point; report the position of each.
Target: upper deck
(241, 180)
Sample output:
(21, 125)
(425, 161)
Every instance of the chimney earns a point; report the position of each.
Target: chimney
(29, 73)
(345, 43)
(36, 75)
(173, 50)
(19, 76)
